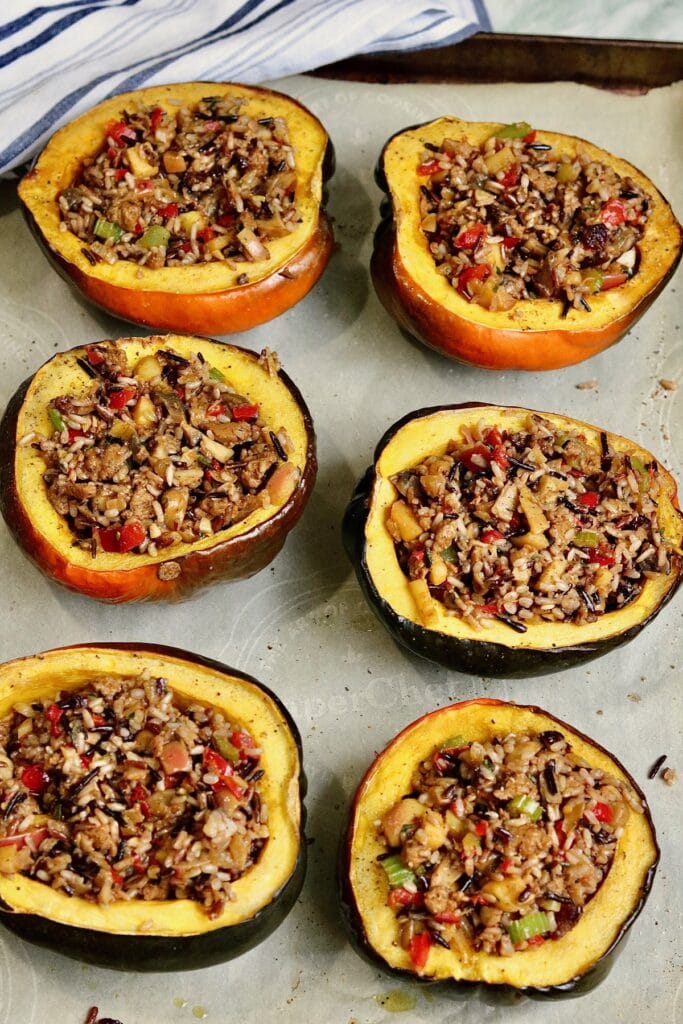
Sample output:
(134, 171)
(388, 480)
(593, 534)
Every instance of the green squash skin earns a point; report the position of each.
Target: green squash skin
(497, 993)
(136, 952)
(476, 657)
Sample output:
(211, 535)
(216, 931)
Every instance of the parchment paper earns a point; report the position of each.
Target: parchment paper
(302, 625)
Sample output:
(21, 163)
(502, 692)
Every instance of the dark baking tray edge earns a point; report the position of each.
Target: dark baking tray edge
(498, 57)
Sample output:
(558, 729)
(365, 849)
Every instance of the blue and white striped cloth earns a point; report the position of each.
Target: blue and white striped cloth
(60, 58)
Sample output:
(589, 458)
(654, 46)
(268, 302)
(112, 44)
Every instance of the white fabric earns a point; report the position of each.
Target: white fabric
(60, 58)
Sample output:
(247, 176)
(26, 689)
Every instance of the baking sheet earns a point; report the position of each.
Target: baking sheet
(302, 625)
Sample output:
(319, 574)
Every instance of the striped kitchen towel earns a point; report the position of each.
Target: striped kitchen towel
(62, 57)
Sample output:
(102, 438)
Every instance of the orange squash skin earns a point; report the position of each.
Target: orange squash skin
(456, 334)
(474, 344)
(213, 309)
(234, 558)
(224, 312)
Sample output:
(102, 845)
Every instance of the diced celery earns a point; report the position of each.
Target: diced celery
(585, 539)
(513, 131)
(453, 742)
(106, 229)
(526, 805)
(226, 749)
(56, 420)
(527, 927)
(397, 873)
(155, 236)
(215, 374)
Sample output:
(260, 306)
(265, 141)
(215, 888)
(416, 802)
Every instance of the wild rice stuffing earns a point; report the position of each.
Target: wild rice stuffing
(113, 792)
(500, 845)
(157, 454)
(189, 186)
(510, 219)
(536, 524)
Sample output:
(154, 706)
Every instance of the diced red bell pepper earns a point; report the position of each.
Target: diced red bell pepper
(493, 436)
(98, 719)
(226, 219)
(132, 534)
(429, 168)
(185, 246)
(601, 556)
(476, 459)
(613, 213)
(401, 897)
(499, 456)
(139, 864)
(35, 778)
(560, 832)
(588, 499)
(419, 949)
(180, 392)
(120, 173)
(109, 539)
(155, 118)
(94, 356)
(206, 234)
(511, 176)
(613, 281)
(54, 714)
(447, 917)
(73, 434)
(121, 398)
(505, 865)
(481, 828)
(213, 762)
(481, 272)
(139, 795)
(470, 237)
(121, 133)
(85, 760)
(490, 536)
(530, 136)
(170, 210)
(603, 812)
(509, 242)
(245, 412)
(116, 878)
(241, 740)
(489, 609)
(535, 940)
(217, 409)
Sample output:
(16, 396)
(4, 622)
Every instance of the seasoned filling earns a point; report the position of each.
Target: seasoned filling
(500, 845)
(113, 792)
(189, 186)
(157, 454)
(535, 524)
(511, 219)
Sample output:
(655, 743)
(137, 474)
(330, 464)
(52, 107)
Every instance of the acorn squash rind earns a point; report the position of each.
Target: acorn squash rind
(574, 966)
(170, 935)
(202, 298)
(533, 335)
(497, 652)
(235, 553)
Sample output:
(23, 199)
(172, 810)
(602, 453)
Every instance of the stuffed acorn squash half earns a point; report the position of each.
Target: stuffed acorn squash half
(507, 542)
(510, 248)
(183, 853)
(144, 468)
(437, 876)
(194, 207)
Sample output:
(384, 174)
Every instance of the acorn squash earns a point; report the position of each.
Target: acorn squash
(443, 637)
(172, 935)
(203, 298)
(534, 334)
(570, 965)
(236, 552)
